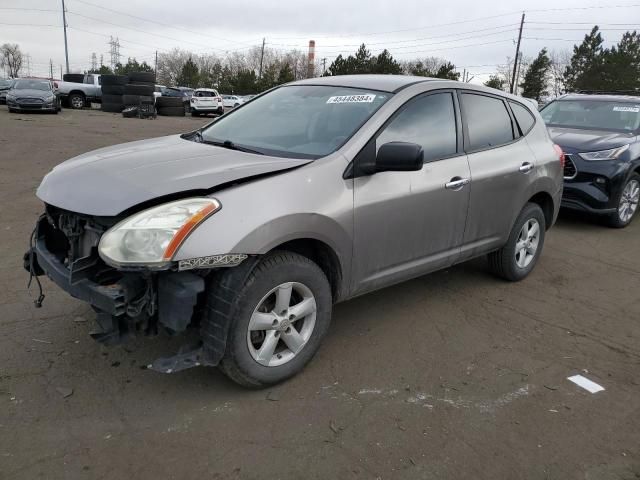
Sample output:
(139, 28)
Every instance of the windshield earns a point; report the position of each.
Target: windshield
(593, 115)
(204, 93)
(43, 85)
(303, 121)
(5, 83)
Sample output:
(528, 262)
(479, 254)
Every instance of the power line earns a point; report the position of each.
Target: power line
(158, 23)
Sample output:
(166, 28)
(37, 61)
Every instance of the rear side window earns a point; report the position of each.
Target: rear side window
(488, 122)
(429, 121)
(523, 116)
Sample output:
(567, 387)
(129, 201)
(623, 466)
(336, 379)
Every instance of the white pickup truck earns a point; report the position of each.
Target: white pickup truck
(79, 95)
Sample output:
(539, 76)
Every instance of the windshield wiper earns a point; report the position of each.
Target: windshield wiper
(231, 146)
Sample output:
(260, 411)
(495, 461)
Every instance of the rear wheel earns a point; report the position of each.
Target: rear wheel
(279, 315)
(76, 101)
(627, 203)
(518, 257)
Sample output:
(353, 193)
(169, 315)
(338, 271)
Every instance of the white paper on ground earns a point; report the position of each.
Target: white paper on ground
(588, 385)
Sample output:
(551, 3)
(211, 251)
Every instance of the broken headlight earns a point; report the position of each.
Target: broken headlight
(152, 237)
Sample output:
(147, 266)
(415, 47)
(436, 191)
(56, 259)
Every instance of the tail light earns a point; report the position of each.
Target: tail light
(560, 154)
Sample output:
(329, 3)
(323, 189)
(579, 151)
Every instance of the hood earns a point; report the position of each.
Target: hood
(578, 140)
(108, 181)
(31, 93)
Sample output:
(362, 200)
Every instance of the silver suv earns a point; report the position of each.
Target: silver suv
(251, 228)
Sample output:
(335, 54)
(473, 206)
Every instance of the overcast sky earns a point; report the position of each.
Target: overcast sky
(474, 35)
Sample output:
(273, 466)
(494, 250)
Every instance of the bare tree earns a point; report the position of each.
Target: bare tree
(170, 65)
(11, 58)
(559, 62)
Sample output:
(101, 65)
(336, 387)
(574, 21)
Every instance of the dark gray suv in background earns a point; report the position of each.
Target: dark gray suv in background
(250, 228)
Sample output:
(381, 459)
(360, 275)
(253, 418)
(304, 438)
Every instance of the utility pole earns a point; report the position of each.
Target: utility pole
(515, 90)
(50, 69)
(515, 61)
(64, 25)
(60, 72)
(324, 65)
(261, 59)
(155, 70)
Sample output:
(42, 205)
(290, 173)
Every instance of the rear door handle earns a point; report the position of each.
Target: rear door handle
(526, 167)
(456, 183)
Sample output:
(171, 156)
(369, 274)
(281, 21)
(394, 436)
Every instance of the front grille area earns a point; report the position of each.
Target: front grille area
(30, 101)
(570, 170)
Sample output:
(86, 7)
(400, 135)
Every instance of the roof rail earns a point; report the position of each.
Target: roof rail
(610, 92)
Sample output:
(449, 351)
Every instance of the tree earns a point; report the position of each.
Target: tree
(132, 65)
(495, 82)
(432, 67)
(103, 70)
(536, 79)
(585, 71)
(189, 75)
(447, 71)
(11, 58)
(384, 63)
(170, 66)
(622, 64)
(286, 74)
(559, 61)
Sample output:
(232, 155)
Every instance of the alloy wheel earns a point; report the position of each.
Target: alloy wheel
(629, 201)
(527, 243)
(281, 324)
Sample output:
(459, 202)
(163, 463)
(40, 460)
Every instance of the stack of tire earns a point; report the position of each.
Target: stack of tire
(170, 106)
(139, 89)
(112, 92)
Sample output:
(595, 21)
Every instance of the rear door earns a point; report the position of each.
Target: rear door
(410, 223)
(206, 99)
(501, 164)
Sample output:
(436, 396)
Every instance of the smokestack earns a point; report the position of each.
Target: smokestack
(311, 65)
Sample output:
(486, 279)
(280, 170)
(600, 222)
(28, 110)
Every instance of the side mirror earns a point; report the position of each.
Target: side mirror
(399, 157)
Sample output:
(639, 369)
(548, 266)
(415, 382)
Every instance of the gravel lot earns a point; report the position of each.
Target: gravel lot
(456, 375)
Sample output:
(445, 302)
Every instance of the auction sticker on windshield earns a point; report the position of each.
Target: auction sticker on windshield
(352, 99)
(627, 109)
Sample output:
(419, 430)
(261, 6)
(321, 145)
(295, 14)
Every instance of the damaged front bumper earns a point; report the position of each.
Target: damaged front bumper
(126, 302)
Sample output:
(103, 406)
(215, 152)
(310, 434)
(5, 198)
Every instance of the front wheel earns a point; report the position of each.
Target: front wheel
(76, 101)
(627, 203)
(517, 258)
(278, 316)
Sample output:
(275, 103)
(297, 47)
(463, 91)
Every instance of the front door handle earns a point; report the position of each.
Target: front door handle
(456, 183)
(526, 167)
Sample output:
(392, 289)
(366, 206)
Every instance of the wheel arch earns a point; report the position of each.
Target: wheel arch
(545, 201)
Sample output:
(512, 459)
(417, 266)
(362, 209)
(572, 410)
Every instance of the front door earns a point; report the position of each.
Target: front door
(410, 223)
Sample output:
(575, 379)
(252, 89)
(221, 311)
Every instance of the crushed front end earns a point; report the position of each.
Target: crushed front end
(128, 301)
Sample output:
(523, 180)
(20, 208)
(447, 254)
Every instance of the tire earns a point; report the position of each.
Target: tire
(171, 111)
(113, 80)
(133, 89)
(504, 262)
(628, 196)
(112, 89)
(11, 110)
(194, 113)
(112, 99)
(111, 107)
(169, 102)
(136, 99)
(143, 77)
(76, 101)
(73, 77)
(130, 112)
(233, 296)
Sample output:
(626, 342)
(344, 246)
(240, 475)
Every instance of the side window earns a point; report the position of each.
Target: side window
(523, 116)
(488, 122)
(429, 121)
(88, 79)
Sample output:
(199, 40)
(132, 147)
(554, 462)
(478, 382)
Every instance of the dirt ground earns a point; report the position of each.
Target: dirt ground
(456, 375)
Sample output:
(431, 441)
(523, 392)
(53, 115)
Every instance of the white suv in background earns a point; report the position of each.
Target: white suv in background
(206, 100)
(232, 101)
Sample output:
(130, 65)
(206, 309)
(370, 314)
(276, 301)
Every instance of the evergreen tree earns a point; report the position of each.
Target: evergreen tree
(535, 80)
(586, 70)
(132, 65)
(189, 76)
(447, 71)
(285, 75)
(384, 63)
(495, 82)
(622, 64)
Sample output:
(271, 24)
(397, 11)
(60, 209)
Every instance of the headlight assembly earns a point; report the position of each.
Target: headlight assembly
(152, 237)
(610, 154)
